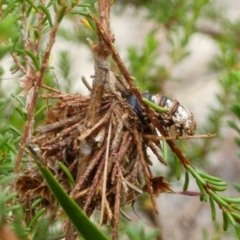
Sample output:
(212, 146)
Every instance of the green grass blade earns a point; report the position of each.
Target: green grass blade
(78, 218)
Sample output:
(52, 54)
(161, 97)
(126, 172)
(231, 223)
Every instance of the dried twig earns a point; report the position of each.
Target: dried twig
(58, 125)
(95, 182)
(144, 169)
(85, 82)
(97, 125)
(20, 66)
(38, 83)
(101, 76)
(156, 152)
(116, 206)
(154, 137)
(105, 173)
(125, 143)
(50, 89)
(100, 54)
(88, 170)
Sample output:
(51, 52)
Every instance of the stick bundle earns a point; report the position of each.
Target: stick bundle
(117, 158)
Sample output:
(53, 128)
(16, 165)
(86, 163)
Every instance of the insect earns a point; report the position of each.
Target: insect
(178, 115)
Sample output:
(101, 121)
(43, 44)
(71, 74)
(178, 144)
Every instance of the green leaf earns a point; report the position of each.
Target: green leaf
(236, 216)
(218, 199)
(165, 150)
(235, 207)
(37, 216)
(82, 223)
(7, 28)
(47, 13)
(67, 172)
(34, 59)
(233, 125)
(32, 5)
(36, 203)
(22, 113)
(236, 110)
(154, 106)
(218, 188)
(18, 99)
(220, 184)
(6, 167)
(39, 111)
(195, 174)
(61, 14)
(209, 177)
(178, 167)
(7, 179)
(5, 49)
(225, 221)
(203, 196)
(186, 182)
(213, 209)
(4, 140)
(237, 229)
(237, 186)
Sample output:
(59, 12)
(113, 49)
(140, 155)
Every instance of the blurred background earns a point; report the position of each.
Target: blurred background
(187, 50)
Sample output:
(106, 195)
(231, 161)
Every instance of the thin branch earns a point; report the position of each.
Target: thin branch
(145, 170)
(62, 134)
(154, 137)
(38, 83)
(95, 182)
(104, 13)
(108, 209)
(60, 124)
(88, 170)
(16, 60)
(89, 131)
(116, 56)
(102, 67)
(86, 84)
(50, 89)
(118, 134)
(39, 28)
(155, 150)
(125, 144)
(105, 173)
(116, 207)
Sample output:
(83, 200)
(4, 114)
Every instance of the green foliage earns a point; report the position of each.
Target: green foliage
(235, 108)
(173, 13)
(65, 69)
(7, 28)
(148, 74)
(25, 37)
(139, 233)
(180, 27)
(179, 21)
(7, 210)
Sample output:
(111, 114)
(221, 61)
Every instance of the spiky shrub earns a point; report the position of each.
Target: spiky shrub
(95, 145)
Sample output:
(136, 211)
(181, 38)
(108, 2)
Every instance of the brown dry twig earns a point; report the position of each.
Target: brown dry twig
(38, 76)
(154, 137)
